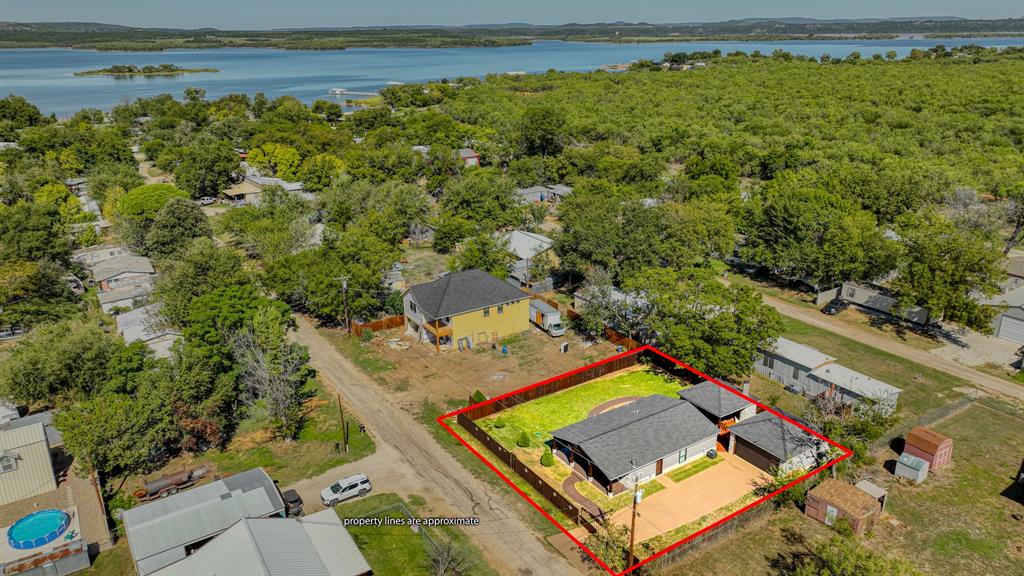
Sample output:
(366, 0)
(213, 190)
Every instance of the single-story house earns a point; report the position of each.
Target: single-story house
(244, 191)
(167, 530)
(53, 436)
(465, 309)
(122, 272)
(834, 499)
(526, 247)
(790, 363)
(879, 299)
(317, 545)
(636, 442)
(721, 406)
(144, 325)
(540, 194)
(1008, 324)
(469, 157)
(76, 185)
(92, 256)
(128, 297)
(26, 465)
(768, 441)
(851, 387)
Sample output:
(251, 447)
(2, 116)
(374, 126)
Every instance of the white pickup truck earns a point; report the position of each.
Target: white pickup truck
(547, 317)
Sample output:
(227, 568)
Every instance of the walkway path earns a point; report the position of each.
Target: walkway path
(569, 487)
(408, 458)
(989, 383)
(604, 407)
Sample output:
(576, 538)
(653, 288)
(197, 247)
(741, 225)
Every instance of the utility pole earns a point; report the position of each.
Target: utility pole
(344, 295)
(344, 424)
(638, 494)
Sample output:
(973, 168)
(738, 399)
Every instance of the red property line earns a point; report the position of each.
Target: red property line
(846, 454)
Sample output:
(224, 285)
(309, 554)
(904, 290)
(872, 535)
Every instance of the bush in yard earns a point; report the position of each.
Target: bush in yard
(523, 441)
(478, 397)
(548, 459)
(499, 423)
(366, 335)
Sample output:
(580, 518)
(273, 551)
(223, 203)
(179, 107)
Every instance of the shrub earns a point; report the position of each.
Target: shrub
(366, 335)
(523, 441)
(478, 397)
(548, 459)
(499, 424)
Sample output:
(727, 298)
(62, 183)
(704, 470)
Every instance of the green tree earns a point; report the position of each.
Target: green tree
(273, 371)
(946, 267)
(57, 361)
(202, 268)
(717, 329)
(449, 231)
(206, 168)
(697, 232)
(175, 226)
(483, 252)
(319, 171)
(278, 160)
(31, 232)
(138, 208)
(542, 130)
(483, 197)
(214, 316)
(20, 112)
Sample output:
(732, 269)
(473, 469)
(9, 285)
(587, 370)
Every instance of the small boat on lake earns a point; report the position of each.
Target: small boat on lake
(338, 91)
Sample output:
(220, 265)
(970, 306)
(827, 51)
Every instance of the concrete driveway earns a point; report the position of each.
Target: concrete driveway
(684, 502)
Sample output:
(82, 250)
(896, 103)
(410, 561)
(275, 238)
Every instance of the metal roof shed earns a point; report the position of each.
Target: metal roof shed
(876, 491)
(912, 467)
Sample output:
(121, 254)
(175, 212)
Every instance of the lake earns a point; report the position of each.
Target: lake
(46, 76)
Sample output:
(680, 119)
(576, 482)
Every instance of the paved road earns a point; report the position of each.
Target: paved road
(409, 460)
(986, 382)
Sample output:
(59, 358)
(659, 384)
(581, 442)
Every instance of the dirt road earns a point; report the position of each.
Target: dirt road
(411, 461)
(991, 384)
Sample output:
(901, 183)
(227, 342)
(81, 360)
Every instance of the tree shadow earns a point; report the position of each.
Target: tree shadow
(797, 553)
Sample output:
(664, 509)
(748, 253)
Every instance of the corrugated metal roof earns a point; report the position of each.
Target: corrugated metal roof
(317, 545)
(159, 527)
(53, 436)
(800, 354)
(526, 244)
(110, 268)
(121, 294)
(23, 436)
(854, 381)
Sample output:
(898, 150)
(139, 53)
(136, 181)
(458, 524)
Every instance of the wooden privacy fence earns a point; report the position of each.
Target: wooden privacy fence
(382, 324)
(580, 515)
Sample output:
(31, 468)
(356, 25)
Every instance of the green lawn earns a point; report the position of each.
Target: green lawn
(311, 454)
(959, 521)
(616, 502)
(923, 388)
(398, 550)
(360, 354)
(114, 562)
(539, 417)
(775, 395)
(684, 472)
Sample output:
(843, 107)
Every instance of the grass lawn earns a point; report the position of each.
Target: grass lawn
(114, 562)
(959, 520)
(539, 417)
(684, 472)
(361, 355)
(397, 550)
(422, 264)
(774, 394)
(923, 388)
(661, 542)
(614, 503)
(311, 454)
(428, 415)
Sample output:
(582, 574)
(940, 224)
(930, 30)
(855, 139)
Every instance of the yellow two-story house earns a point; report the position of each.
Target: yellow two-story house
(465, 309)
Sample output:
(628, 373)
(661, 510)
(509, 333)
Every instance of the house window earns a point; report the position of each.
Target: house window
(412, 306)
(769, 361)
(501, 308)
(8, 464)
(682, 455)
(796, 372)
(487, 312)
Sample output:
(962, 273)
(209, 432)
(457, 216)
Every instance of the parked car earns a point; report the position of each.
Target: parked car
(355, 485)
(835, 306)
(292, 503)
(206, 200)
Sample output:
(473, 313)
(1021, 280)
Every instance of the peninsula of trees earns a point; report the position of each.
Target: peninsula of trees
(132, 70)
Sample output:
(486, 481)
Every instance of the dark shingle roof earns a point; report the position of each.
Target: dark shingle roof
(714, 399)
(641, 431)
(464, 291)
(774, 435)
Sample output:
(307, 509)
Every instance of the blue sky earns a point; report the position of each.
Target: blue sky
(266, 14)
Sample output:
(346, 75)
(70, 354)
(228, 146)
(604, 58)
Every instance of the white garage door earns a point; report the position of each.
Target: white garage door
(1011, 329)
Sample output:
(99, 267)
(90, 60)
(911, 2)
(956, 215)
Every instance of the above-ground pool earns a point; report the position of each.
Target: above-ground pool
(38, 529)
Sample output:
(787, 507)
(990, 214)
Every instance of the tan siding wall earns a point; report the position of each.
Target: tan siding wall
(514, 319)
(34, 475)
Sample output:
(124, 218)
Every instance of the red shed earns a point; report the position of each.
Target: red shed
(930, 446)
(833, 499)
